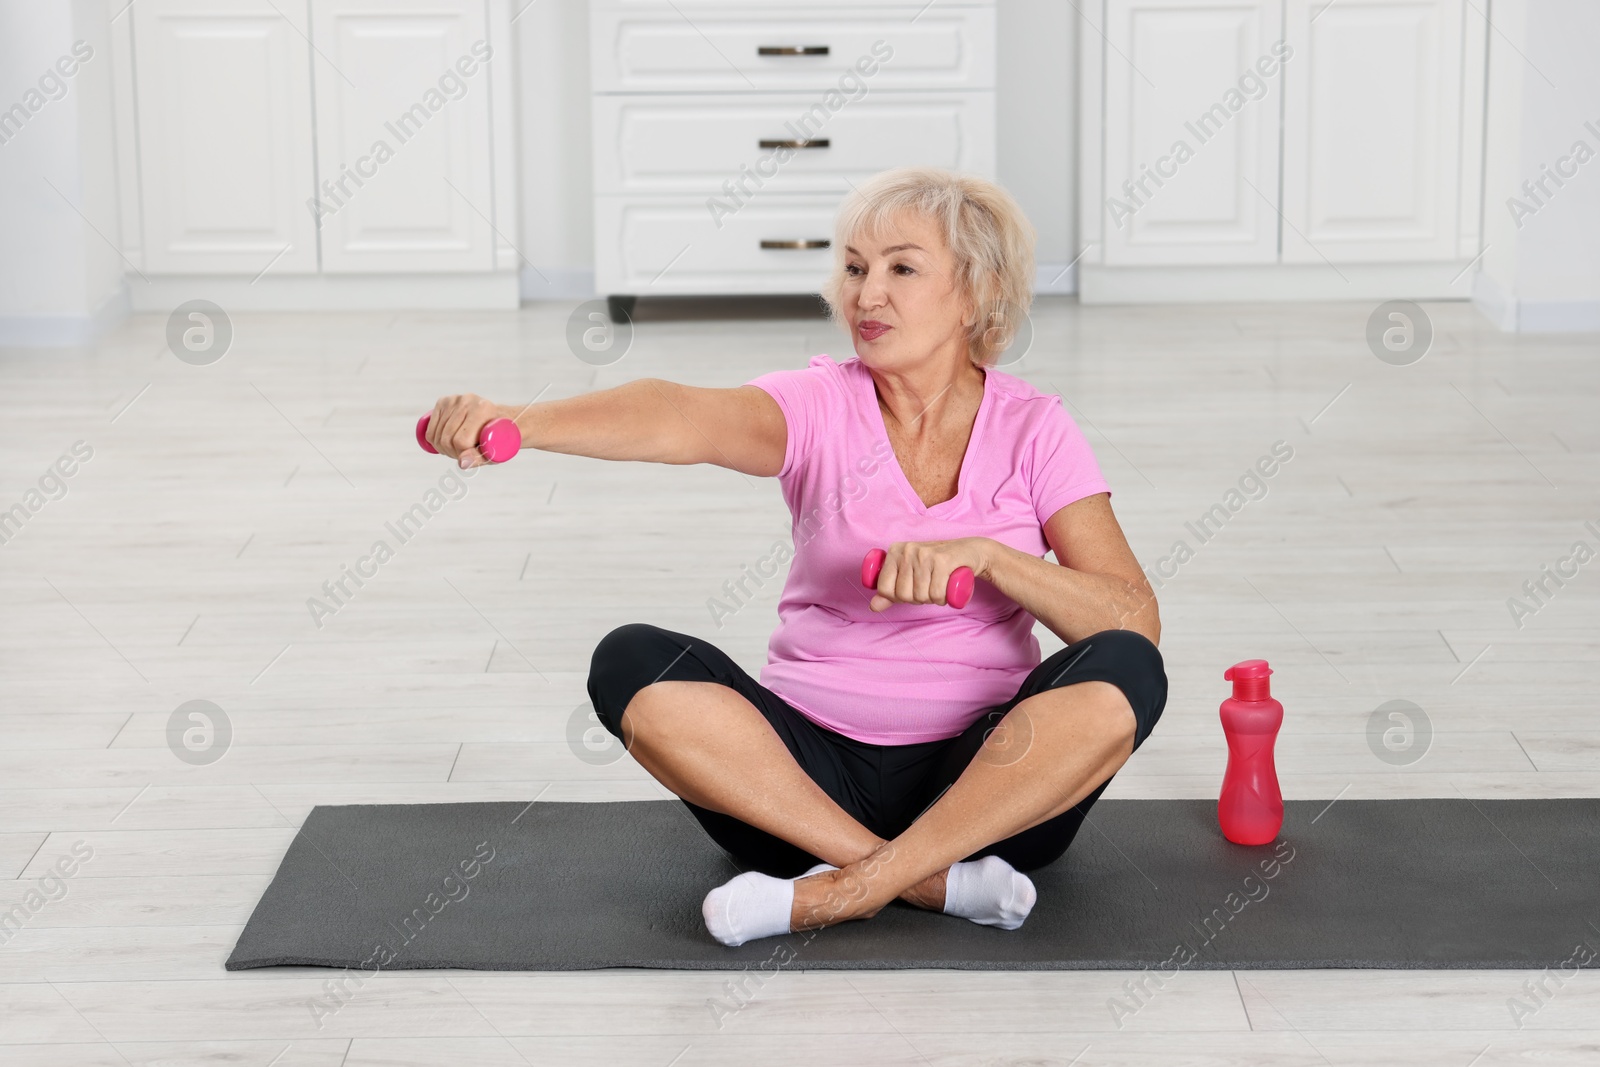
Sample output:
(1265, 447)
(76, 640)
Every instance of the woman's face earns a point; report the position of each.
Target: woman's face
(901, 296)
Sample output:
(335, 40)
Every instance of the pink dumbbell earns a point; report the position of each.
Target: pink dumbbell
(956, 593)
(499, 440)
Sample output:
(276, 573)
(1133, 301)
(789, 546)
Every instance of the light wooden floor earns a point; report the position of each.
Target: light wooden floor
(219, 499)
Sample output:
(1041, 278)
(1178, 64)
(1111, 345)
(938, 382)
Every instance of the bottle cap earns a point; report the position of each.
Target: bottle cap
(1249, 678)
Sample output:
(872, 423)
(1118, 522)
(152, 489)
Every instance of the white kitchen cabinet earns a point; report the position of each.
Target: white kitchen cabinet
(1372, 130)
(726, 136)
(403, 140)
(321, 152)
(1191, 157)
(224, 119)
(1343, 158)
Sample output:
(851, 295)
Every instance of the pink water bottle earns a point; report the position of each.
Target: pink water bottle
(1251, 807)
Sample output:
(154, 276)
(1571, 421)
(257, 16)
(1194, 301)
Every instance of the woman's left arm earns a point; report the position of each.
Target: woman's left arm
(1095, 585)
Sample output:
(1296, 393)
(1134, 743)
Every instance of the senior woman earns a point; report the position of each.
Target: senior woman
(894, 747)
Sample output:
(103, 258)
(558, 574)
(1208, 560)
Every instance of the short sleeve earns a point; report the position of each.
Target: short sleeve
(810, 400)
(1062, 466)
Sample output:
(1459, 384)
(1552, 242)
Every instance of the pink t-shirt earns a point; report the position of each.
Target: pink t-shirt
(912, 672)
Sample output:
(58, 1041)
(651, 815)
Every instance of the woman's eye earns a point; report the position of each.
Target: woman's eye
(904, 267)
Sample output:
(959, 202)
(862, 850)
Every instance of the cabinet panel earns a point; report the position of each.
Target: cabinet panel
(1372, 130)
(225, 160)
(943, 48)
(403, 146)
(695, 143)
(1192, 104)
(651, 247)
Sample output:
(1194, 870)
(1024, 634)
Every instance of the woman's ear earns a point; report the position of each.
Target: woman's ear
(999, 333)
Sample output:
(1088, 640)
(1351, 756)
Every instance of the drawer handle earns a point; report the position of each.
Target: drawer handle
(814, 243)
(792, 50)
(821, 142)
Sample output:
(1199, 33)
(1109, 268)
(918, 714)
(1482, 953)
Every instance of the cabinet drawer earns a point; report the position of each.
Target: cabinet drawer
(791, 48)
(699, 8)
(672, 245)
(696, 144)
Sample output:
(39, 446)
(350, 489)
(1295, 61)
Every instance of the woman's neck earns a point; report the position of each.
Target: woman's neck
(924, 400)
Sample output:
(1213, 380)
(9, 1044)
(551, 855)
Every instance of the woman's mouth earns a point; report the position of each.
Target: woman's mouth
(872, 329)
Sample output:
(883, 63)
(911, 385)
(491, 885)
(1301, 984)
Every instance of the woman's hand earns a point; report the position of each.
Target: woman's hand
(455, 423)
(918, 572)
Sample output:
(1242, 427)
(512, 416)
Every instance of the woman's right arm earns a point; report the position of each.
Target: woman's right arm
(649, 420)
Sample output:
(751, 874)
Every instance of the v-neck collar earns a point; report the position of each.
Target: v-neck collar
(962, 477)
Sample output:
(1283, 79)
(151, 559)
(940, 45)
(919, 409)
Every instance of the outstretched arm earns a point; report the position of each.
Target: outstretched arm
(648, 420)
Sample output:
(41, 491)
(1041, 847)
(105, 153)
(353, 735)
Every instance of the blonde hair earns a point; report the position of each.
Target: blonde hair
(984, 228)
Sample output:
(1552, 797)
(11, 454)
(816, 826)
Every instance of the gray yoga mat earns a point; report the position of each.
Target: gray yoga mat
(1447, 883)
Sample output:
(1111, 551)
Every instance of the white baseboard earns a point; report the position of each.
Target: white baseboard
(1515, 315)
(544, 283)
(64, 331)
(1099, 284)
(1494, 303)
(331, 292)
(1056, 279)
(578, 284)
(1558, 316)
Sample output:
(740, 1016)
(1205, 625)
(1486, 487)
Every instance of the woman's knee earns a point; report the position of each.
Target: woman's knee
(623, 645)
(1129, 661)
(623, 663)
(1131, 649)
(1147, 686)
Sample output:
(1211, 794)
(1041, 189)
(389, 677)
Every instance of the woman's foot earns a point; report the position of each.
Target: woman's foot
(830, 897)
(753, 905)
(928, 894)
(989, 892)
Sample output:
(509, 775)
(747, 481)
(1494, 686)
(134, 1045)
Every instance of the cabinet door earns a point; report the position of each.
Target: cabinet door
(1372, 130)
(403, 156)
(224, 120)
(1192, 104)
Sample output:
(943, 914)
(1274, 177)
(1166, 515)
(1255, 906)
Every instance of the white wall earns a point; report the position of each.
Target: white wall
(1037, 135)
(1036, 97)
(1541, 271)
(60, 279)
(552, 65)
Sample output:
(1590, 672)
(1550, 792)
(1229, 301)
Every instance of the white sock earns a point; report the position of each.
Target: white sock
(752, 905)
(989, 892)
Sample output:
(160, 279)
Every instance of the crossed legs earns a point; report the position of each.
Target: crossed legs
(712, 747)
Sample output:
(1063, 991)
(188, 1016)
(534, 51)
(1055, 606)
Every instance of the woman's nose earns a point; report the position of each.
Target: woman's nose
(873, 292)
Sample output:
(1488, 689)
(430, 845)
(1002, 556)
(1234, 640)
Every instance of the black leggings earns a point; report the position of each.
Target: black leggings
(884, 787)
